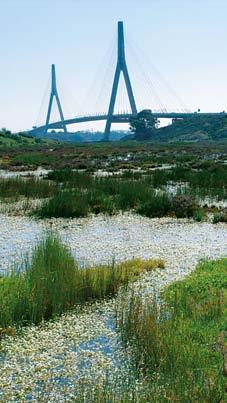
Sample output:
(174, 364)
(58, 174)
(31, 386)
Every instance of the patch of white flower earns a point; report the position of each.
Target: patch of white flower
(46, 363)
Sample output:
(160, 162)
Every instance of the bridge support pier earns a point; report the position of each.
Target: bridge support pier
(121, 67)
(54, 93)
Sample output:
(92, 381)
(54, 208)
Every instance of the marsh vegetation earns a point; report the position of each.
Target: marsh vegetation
(176, 192)
(178, 345)
(51, 282)
(176, 341)
(174, 338)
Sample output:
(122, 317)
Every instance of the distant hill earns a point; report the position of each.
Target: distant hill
(193, 129)
(8, 139)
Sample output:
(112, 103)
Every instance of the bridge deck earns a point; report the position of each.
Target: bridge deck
(122, 118)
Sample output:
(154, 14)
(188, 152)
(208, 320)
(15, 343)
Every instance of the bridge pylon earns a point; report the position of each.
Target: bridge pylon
(54, 93)
(121, 67)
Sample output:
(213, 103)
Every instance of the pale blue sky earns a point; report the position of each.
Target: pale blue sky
(186, 40)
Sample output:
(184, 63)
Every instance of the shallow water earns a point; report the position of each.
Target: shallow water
(101, 239)
(85, 344)
(39, 172)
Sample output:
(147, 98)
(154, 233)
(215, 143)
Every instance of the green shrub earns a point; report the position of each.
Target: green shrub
(131, 194)
(220, 216)
(159, 178)
(78, 179)
(33, 158)
(183, 206)
(199, 215)
(101, 203)
(216, 217)
(157, 205)
(108, 186)
(65, 204)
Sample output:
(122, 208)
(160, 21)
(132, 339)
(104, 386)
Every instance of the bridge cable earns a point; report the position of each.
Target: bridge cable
(162, 80)
(39, 119)
(149, 86)
(96, 77)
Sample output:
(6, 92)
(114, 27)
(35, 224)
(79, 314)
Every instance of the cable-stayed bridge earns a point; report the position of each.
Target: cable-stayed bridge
(118, 118)
(110, 116)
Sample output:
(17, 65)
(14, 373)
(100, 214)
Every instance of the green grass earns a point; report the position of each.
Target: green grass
(9, 140)
(29, 187)
(207, 180)
(51, 282)
(157, 205)
(220, 216)
(175, 346)
(67, 204)
(33, 158)
(199, 215)
(78, 194)
(112, 199)
(82, 195)
(70, 177)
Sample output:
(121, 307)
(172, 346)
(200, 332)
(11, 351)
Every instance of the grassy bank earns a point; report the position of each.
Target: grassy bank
(52, 282)
(178, 348)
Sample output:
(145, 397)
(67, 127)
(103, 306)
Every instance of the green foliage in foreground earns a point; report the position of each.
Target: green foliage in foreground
(52, 282)
(176, 347)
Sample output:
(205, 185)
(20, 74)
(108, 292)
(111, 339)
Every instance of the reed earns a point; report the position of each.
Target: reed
(52, 282)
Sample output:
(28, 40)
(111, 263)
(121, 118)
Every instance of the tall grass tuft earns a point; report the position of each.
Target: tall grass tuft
(52, 282)
(156, 205)
(72, 177)
(27, 187)
(67, 204)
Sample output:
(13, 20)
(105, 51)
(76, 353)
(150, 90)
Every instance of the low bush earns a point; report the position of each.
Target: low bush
(66, 204)
(183, 206)
(131, 194)
(76, 179)
(33, 159)
(220, 216)
(199, 215)
(157, 205)
(101, 203)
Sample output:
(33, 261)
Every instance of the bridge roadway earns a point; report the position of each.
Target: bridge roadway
(122, 118)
